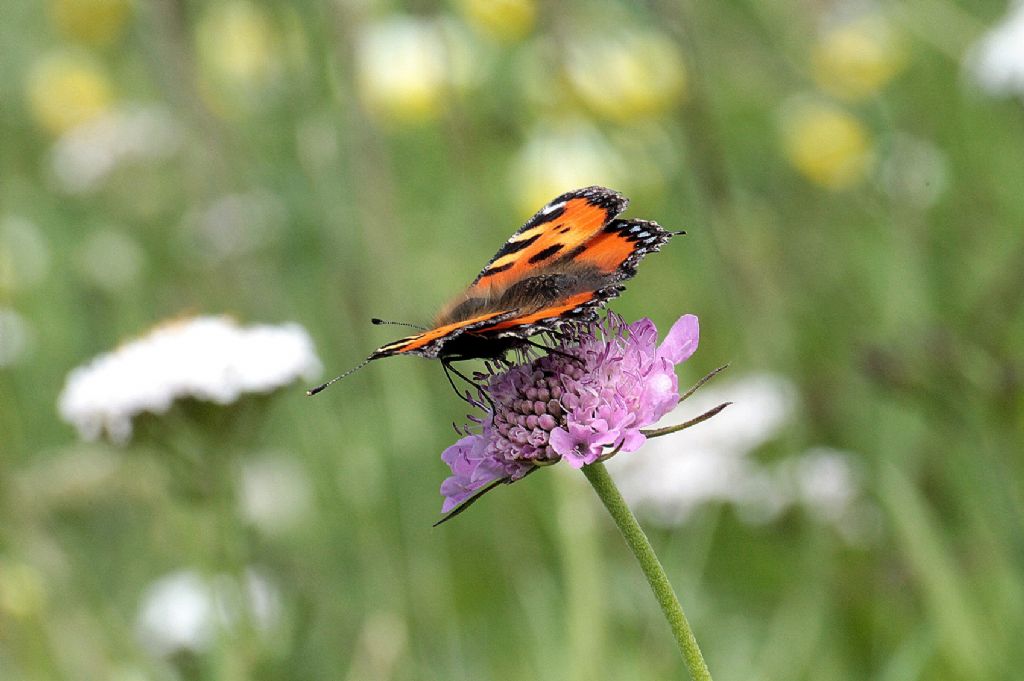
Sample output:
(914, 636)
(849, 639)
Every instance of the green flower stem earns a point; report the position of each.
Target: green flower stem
(641, 547)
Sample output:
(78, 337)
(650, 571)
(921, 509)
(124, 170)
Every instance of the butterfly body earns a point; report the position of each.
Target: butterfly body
(560, 267)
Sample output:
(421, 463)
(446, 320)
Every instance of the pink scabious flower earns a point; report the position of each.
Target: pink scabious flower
(587, 399)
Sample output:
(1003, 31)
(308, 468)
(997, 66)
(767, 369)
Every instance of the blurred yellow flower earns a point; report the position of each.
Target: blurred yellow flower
(239, 53)
(506, 20)
(564, 156)
(826, 144)
(635, 74)
(237, 40)
(857, 59)
(403, 68)
(95, 22)
(66, 89)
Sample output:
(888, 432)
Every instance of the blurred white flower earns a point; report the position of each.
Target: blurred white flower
(710, 463)
(187, 610)
(401, 67)
(236, 224)
(827, 484)
(276, 493)
(110, 259)
(997, 60)
(408, 67)
(824, 482)
(206, 358)
(914, 170)
(562, 155)
(24, 254)
(15, 337)
(87, 154)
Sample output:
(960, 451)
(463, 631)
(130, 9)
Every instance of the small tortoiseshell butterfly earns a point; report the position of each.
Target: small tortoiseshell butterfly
(560, 267)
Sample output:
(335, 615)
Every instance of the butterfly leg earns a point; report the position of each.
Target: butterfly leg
(554, 351)
(449, 369)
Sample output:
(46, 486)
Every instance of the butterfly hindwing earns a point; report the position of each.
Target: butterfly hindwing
(577, 307)
(430, 342)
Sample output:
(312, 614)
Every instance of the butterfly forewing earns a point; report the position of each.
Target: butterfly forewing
(619, 247)
(564, 224)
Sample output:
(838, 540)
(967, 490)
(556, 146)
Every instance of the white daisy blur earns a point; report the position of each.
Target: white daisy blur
(205, 358)
(187, 610)
(997, 60)
(86, 155)
(276, 493)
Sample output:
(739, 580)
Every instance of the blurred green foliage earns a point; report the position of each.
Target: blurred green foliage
(853, 208)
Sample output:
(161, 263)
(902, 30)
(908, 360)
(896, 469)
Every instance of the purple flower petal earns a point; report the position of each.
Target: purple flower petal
(561, 441)
(643, 334)
(633, 440)
(472, 468)
(682, 339)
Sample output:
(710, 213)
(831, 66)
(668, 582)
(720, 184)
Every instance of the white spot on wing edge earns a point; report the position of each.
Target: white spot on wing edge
(551, 208)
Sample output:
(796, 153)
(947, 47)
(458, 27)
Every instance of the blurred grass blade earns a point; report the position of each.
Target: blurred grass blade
(942, 584)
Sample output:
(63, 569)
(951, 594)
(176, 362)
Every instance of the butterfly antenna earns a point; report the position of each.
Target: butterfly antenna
(380, 322)
(354, 369)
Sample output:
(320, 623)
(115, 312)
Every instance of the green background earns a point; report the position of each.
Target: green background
(892, 302)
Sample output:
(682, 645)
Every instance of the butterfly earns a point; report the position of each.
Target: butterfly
(560, 267)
